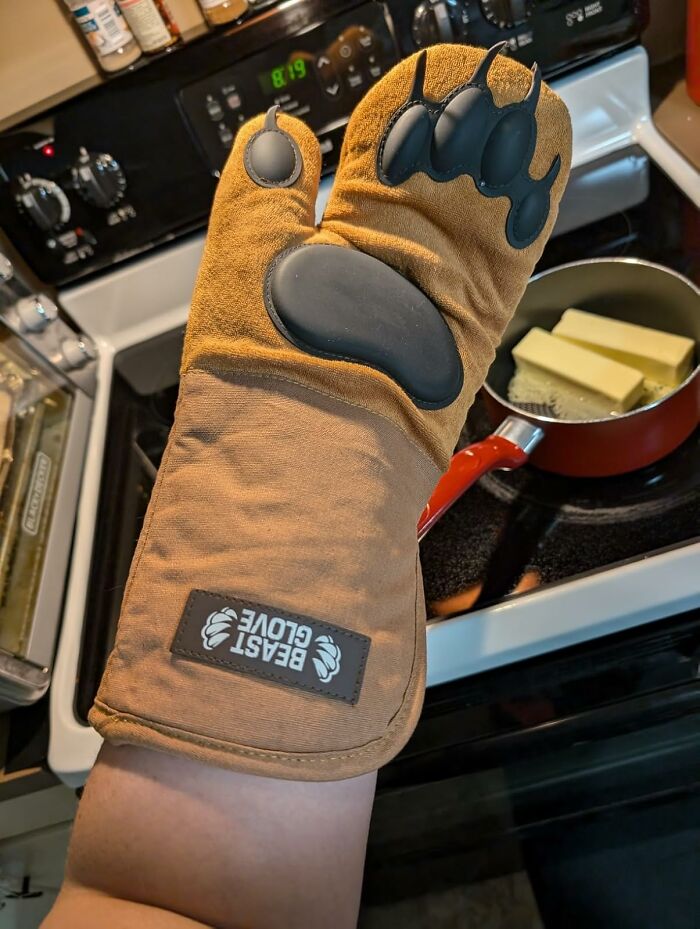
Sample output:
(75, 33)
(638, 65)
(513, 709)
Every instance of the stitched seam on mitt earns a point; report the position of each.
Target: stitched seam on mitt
(272, 378)
(233, 748)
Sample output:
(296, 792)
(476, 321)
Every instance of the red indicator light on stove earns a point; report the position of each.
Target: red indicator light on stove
(48, 151)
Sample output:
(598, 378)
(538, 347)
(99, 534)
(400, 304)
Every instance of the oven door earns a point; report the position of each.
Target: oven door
(560, 792)
(43, 429)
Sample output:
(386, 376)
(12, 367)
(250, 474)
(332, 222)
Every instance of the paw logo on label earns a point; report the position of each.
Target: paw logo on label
(281, 648)
(327, 658)
(217, 627)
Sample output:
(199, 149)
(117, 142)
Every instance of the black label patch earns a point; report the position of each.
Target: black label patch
(253, 639)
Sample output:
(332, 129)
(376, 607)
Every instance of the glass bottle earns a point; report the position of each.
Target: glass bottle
(107, 33)
(152, 24)
(218, 12)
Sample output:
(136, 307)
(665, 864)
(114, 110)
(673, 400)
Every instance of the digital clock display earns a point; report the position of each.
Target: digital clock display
(283, 76)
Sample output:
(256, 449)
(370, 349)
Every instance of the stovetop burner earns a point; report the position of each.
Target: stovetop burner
(517, 530)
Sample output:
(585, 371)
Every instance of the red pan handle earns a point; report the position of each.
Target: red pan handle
(508, 447)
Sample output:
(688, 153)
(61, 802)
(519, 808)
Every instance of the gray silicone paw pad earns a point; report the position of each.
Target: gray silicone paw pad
(339, 303)
(272, 157)
(466, 133)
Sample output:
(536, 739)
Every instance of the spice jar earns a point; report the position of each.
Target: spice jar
(151, 22)
(218, 12)
(106, 32)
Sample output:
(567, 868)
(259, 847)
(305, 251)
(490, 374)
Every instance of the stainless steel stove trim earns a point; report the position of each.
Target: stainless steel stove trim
(47, 342)
(49, 600)
(22, 681)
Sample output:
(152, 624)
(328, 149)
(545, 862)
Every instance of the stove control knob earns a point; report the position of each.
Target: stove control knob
(506, 13)
(6, 269)
(77, 351)
(43, 201)
(99, 179)
(36, 312)
(431, 23)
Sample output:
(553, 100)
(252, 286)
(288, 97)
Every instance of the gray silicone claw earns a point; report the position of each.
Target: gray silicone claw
(533, 94)
(551, 175)
(480, 75)
(419, 77)
(271, 117)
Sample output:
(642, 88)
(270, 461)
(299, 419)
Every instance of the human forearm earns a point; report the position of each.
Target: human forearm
(168, 842)
(80, 907)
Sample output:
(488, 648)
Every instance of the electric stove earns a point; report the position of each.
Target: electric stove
(557, 756)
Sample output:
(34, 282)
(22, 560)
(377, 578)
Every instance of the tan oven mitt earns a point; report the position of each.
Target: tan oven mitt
(273, 621)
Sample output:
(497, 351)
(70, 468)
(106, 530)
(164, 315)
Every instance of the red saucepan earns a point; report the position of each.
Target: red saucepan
(624, 288)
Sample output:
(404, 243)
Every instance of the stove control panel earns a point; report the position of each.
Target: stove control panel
(557, 34)
(66, 200)
(318, 76)
(134, 162)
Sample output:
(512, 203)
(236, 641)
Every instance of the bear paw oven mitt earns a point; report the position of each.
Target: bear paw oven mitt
(273, 621)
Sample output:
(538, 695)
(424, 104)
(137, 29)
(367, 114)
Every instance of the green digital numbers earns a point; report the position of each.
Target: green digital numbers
(297, 69)
(283, 75)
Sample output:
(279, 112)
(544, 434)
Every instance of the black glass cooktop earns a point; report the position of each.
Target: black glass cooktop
(516, 531)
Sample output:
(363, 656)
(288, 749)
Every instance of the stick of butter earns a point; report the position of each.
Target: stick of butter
(618, 385)
(661, 356)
